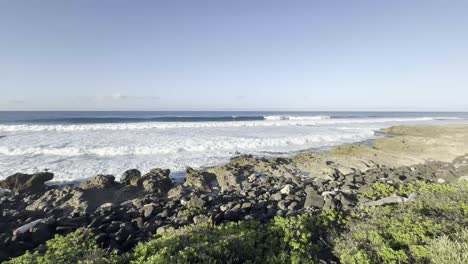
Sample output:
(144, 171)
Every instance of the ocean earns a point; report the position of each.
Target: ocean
(80, 145)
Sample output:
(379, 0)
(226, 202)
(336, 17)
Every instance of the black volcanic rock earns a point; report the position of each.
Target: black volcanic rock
(156, 181)
(130, 177)
(27, 183)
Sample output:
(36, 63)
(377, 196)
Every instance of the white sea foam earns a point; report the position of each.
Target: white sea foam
(303, 118)
(74, 152)
(274, 121)
(227, 144)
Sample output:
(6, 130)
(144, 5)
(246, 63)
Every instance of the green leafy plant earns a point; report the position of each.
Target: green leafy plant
(77, 247)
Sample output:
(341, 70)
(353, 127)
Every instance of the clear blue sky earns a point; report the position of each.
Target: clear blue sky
(233, 55)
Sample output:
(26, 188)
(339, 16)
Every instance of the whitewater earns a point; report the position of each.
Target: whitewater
(76, 149)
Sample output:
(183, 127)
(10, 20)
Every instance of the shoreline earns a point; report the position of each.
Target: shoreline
(247, 188)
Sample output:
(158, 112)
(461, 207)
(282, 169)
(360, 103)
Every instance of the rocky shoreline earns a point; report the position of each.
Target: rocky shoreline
(126, 212)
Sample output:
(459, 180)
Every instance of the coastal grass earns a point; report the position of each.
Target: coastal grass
(432, 229)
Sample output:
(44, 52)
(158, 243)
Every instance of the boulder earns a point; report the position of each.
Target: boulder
(130, 177)
(177, 192)
(24, 228)
(99, 182)
(69, 199)
(199, 180)
(313, 199)
(156, 181)
(231, 177)
(27, 183)
(287, 189)
(149, 209)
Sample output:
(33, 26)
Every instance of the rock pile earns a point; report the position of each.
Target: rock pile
(124, 213)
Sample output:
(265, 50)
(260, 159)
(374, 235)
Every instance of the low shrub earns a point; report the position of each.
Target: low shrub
(449, 250)
(300, 239)
(402, 233)
(77, 247)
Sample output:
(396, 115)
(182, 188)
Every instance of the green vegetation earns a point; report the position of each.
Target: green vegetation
(406, 233)
(447, 249)
(381, 190)
(432, 229)
(77, 247)
(294, 240)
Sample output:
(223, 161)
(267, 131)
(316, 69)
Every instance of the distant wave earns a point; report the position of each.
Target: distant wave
(268, 121)
(288, 117)
(169, 119)
(114, 120)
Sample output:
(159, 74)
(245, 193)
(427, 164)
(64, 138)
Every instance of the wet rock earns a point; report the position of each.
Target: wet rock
(130, 177)
(27, 183)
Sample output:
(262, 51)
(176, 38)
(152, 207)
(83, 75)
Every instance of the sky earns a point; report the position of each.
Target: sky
(367, 55)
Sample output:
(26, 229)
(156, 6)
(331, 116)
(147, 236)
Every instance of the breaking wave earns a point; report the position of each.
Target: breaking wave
(268, 121)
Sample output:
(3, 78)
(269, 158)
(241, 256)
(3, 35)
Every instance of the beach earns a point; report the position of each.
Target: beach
(125, 210)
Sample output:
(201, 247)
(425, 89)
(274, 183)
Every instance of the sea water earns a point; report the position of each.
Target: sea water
(80, 145)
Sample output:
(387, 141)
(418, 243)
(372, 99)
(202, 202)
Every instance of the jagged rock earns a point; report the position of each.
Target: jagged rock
(200, 180)
(177, 192)
(282, 205)
(99, 182)
(287, 189)
(4, 192)
(156, 181)
(130, 177)
(329, 203)
(149, 209)
(69, 199)
(347, 201)
(277, 196)
(313, 199)
(196, 202)
(28, 183)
